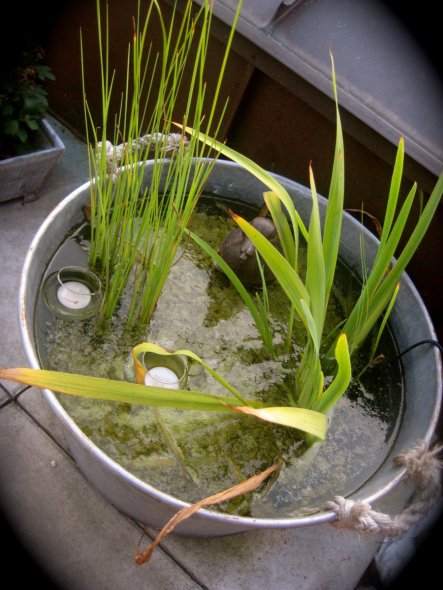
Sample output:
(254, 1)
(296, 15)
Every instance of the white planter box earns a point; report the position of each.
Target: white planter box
(23, 176)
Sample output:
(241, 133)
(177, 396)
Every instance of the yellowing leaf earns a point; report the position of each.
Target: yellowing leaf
(309, 421)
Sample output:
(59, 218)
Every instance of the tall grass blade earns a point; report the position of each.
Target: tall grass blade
(288, 239)
(334, 210)
(309, 421)
(379, 299)
(341, 380)
(119, 391)
(135, 234)
(315, 272)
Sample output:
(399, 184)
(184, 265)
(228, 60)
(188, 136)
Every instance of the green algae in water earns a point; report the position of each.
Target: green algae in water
(201, 311)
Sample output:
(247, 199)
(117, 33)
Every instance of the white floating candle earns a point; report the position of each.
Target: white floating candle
(74, 295)
(162, 377)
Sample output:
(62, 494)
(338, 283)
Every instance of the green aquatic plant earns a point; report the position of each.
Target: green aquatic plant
(309, 295)
(259, 308)
(135, 231)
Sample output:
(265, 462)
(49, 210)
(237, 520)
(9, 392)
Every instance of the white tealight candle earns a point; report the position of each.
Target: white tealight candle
(74, 295)
(162, 377)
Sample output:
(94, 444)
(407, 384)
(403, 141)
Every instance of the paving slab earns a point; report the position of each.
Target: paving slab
(306, 558)
(4, 397)
(33, 402)
(77, 538)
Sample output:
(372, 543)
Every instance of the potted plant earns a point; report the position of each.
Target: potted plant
(29, 146)
(145, 186)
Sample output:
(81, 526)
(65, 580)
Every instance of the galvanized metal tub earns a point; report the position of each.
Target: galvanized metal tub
(409, 322)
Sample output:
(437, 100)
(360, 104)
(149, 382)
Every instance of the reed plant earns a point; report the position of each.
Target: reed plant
(135, 231)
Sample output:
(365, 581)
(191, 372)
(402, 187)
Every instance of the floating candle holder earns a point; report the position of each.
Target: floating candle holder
(169, 371)
(73, 292)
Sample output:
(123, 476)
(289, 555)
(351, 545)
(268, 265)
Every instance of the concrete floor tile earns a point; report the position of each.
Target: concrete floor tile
(4, 397)
(34, 403)
(306, 558)
(77, 538)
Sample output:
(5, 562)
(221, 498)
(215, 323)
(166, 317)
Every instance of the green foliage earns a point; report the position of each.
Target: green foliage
(309, 295)
(386, 272)
(135, 233)
(23, 100)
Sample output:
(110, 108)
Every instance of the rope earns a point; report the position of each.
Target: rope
(423, 470)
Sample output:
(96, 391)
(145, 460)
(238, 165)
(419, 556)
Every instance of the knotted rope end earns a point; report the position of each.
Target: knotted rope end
(423, 469)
